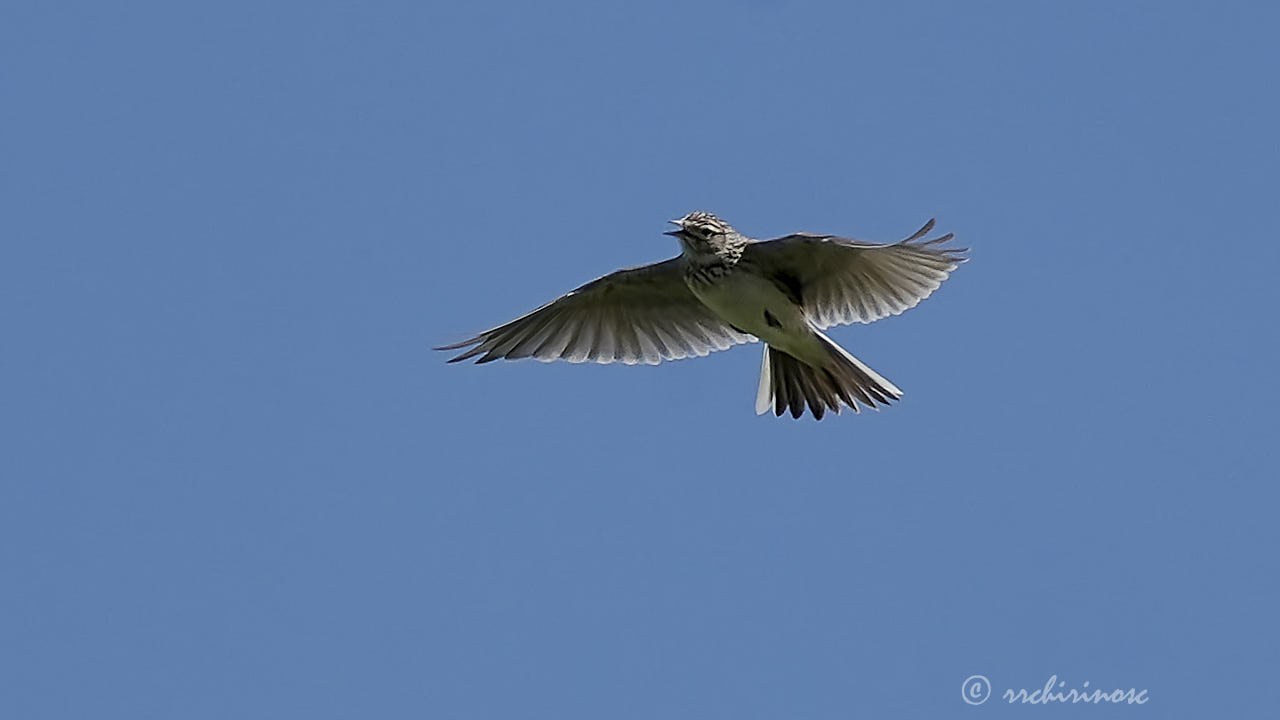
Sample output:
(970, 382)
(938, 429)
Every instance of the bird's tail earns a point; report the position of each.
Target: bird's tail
(786, 382)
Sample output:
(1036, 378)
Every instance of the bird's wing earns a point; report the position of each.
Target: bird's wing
(639, 315)
(840, 281)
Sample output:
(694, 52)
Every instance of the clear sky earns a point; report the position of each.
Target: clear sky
(237, 483)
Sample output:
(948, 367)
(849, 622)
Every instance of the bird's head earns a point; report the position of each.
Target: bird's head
(701, 231)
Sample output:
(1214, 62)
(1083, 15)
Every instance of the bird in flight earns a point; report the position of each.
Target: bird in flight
(725, 289)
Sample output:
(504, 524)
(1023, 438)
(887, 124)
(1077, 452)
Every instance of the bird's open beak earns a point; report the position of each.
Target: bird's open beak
(678, 230)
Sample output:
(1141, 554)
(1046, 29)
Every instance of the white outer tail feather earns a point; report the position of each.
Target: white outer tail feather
(764, 395)
(858, 363)
(863, 380)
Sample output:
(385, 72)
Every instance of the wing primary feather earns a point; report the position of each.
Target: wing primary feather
(936, 241)
(554, 346)
(921, 232)
(604, 345)
(579, 348)
(533, 335)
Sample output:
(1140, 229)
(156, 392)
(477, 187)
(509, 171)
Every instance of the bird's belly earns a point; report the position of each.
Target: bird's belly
(755, 305)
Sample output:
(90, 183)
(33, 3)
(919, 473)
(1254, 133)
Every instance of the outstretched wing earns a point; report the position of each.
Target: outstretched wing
(640, 315)
(840, 281)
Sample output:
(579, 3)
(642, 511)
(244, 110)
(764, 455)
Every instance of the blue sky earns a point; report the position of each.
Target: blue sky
(238, 483)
